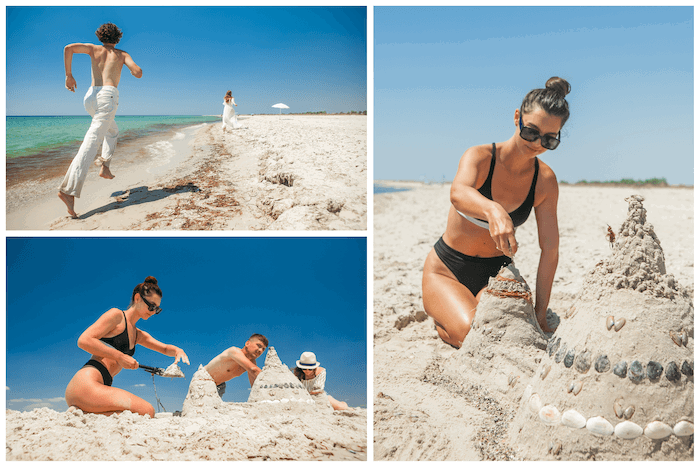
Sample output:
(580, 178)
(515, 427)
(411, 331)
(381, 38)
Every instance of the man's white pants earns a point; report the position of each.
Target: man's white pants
(101, 102)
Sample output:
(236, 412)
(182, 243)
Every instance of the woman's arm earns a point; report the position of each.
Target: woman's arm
(90, 341)
(467, 199)
(548, 232)
(143, 338)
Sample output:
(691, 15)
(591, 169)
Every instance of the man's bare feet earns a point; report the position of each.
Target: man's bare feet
(105, 173)
(69, 200)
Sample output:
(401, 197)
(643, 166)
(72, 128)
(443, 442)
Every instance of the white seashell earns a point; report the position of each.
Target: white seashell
(628, 430)
(617, 408)
(545, 371)
(599, 426)
(284, 401)
(549, 415)
(657, 430)
(619, 323)
(573, 419)
(610, 322)
(527, 393)
(535, 403)
(683, 428)
(577, 387)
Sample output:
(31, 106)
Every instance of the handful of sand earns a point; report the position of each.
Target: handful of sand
(173, 371)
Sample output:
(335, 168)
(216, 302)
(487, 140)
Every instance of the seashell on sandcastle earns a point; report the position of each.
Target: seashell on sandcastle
(618, 372)
(276, 384)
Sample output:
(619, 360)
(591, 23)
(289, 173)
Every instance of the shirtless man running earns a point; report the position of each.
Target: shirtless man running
(101, 102)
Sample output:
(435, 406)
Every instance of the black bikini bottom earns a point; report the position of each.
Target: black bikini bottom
(106, 377)
(470, 271)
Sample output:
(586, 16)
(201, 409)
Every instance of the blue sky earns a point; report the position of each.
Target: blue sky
(310, 58)
(304, 294)
(450, 78)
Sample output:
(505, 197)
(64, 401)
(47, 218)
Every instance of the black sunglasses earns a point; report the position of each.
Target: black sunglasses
(531, 135)
(151, 306)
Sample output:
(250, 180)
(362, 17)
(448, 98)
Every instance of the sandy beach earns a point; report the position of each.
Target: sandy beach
(504, 396)
(275, 424)
(275, 173)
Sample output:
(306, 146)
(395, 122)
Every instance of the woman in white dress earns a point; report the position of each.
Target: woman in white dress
(229, 115)
(313, 377)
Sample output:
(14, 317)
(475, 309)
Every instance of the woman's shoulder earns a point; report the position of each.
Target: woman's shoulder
(546, 175)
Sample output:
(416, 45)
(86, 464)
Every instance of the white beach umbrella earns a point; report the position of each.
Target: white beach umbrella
(280, 106)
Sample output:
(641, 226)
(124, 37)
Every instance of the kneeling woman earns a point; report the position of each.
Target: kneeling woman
(313, 377)
(496, 187)
(91, 388)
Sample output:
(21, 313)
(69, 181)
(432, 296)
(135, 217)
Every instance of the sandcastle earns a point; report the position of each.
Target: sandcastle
(614, 382)
(276, 384)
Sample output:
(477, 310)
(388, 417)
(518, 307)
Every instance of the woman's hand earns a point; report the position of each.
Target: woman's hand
(128, 362)
(502, 230)
(181, 355)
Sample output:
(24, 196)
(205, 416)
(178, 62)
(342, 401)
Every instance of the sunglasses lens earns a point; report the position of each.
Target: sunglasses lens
(549, 142)
(529, 134)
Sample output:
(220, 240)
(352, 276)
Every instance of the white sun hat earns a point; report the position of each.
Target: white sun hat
(307, 361)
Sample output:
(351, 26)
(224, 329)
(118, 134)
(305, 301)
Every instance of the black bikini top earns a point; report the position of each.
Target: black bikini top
(519, 215)
(121, 341)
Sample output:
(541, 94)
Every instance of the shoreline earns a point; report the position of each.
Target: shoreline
(294, 174)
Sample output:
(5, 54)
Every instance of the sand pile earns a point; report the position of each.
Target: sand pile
(276, 384)
(616, 381)
(202, 397)
(173, 371)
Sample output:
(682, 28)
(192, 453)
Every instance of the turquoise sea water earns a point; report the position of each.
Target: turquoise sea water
(46, 145)
(379, 189)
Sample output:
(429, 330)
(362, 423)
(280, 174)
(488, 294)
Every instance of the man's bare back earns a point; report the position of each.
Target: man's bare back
(234, 362)
(106, 64)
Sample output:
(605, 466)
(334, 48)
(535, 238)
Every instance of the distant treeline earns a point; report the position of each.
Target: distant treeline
(624, 181)
(323, 112)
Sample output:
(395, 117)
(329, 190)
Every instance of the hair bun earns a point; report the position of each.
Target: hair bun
(151, 280)
(559, 86)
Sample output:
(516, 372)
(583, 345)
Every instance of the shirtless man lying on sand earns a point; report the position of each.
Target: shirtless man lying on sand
(101, 102)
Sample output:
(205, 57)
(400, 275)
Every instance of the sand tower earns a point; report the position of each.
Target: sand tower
(616, 379)
(277, 384)
(505, 340)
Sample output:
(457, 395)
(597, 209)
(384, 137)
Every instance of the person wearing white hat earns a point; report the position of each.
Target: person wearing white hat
(313, 377)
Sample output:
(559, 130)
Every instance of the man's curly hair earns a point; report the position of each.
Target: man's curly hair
(109, 33)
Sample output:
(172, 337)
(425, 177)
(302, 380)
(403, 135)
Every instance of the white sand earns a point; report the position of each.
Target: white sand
(432, 402)
(209, 429)
(289, 173)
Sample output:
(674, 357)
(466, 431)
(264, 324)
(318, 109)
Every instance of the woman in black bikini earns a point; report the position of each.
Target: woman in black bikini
(91, 388)
(487, 204)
